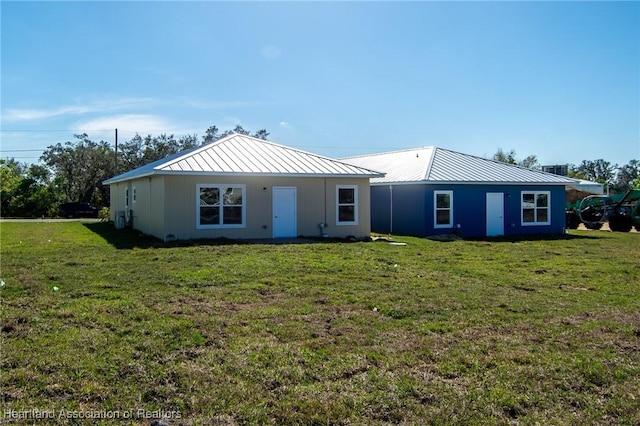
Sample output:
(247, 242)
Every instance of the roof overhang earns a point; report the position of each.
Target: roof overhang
(449, 183)
(118, 179)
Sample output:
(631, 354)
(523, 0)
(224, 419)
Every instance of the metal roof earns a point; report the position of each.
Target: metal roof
(437, 165)
(246, 155)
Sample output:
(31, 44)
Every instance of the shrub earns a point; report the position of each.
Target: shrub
(103, 214)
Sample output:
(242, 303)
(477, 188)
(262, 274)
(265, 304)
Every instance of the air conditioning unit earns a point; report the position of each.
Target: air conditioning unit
(120, 219)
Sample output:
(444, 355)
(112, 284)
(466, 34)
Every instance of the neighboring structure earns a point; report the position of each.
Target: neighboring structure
(580, 185)
(430, 190)
(557, 169)
(243, 187)
(586, 186)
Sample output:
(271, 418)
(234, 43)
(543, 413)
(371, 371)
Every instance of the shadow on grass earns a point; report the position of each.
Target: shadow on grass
(534, 237)
(123, 238)
(447, 238)
(128, 239)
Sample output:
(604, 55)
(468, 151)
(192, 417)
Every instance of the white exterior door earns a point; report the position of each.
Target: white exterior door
(284, 211)
(495, 214)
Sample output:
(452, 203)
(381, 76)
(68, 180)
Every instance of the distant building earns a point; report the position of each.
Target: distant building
(558, 169)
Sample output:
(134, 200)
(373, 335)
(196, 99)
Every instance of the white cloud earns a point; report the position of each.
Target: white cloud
(128, 125)
(286, 128)
(271, 51)
(80, 108)
(38, 114)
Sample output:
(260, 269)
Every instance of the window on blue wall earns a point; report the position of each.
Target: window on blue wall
(220, 206)
(443, 209)
(536, 208)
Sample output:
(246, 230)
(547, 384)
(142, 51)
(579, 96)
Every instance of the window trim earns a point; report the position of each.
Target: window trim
(535, 208)
(436, 225)
(221, 187)
(133, 195)
(354, 204)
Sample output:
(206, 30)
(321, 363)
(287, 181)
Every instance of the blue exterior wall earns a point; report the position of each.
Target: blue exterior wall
(409, 207)
(413, 209)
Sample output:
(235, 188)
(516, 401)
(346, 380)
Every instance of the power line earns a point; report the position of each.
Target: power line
(44, 130)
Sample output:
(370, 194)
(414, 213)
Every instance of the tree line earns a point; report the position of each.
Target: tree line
(75, 170)
(616, 178)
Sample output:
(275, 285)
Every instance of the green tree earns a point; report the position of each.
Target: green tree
(27, 191)
(131, 154)
(600, 171)
(261, 134)
(139, 150)
(211, 135)
(627, 176)
(530, 162)
(188, 142)
(505, 157)
(80, 167)
(11, 173)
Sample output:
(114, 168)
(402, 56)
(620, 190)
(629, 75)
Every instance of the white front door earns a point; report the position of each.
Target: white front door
(284, 211)
(495, 214)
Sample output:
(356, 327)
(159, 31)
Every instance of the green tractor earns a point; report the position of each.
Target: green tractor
(622, 211)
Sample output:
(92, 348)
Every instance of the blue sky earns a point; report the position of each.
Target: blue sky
(560, 80)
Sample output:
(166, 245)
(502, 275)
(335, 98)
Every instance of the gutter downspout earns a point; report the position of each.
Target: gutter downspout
(390, 209)
(149, 207)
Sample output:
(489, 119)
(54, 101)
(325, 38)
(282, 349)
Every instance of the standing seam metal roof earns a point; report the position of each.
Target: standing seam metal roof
(438, 165)
(241, 154)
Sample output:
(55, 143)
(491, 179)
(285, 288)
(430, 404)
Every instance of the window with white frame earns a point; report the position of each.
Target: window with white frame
(535, 208)
(220, 206)
(443, 209)
(133, 195)
(347, 204)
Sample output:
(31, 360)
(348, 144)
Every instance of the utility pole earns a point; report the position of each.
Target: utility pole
(115, 172)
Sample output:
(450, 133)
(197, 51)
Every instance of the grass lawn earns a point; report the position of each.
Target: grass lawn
(537, 331)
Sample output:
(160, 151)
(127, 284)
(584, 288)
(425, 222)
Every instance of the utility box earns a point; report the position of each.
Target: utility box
(120, 219)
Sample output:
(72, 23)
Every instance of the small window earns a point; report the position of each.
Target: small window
(133, 195)
(535, 208)
(126, 198)
(220, 206)
(347, 205)
(443, 209)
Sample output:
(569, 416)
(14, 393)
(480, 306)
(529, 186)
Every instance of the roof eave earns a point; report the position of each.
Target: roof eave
(429, 182)
(118, 179)
(240, 174)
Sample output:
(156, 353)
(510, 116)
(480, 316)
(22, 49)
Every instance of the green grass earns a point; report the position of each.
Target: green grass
(530, 331)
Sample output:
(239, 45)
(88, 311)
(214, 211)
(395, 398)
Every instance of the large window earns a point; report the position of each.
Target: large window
(347, 205)
(443, 209)
(220, 206)
(535, 208)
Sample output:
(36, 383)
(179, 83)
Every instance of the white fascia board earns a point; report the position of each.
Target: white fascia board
(426, 182)
(117, 179)
(254, 174)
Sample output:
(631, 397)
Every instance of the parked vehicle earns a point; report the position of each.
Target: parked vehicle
(622, 211)
(72, 210)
